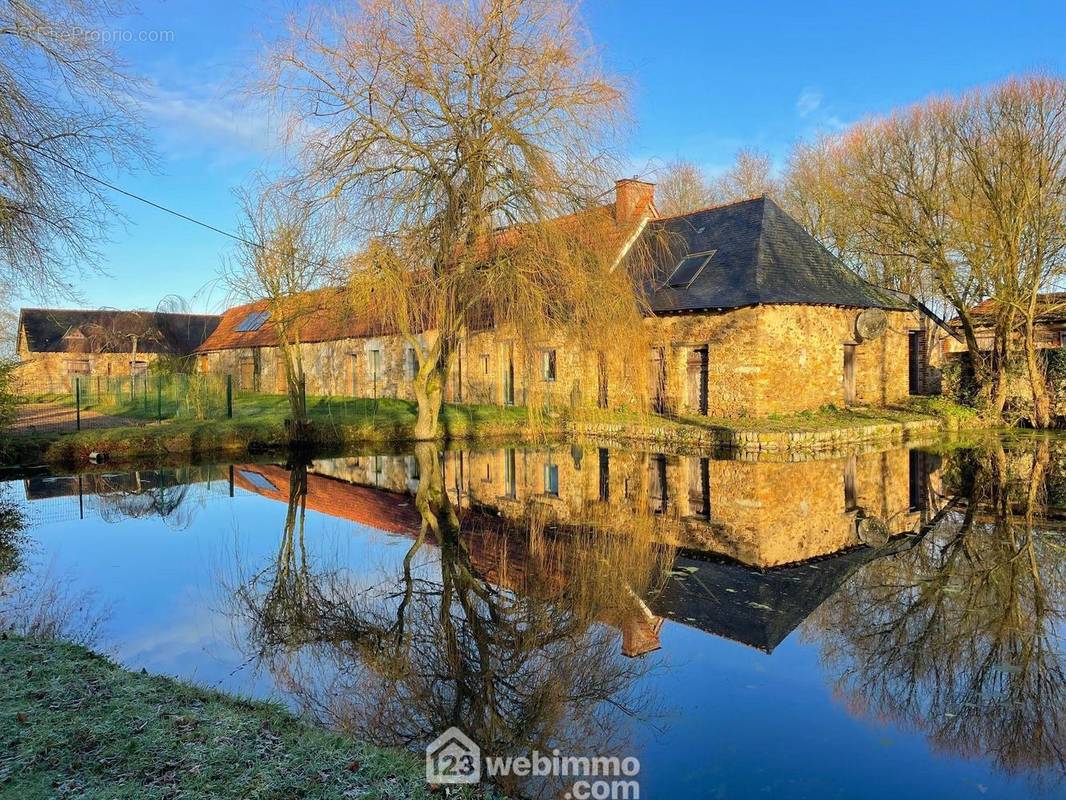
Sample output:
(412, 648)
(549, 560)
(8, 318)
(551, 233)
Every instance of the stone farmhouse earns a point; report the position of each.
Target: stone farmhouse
(56, 345)
(750, 316)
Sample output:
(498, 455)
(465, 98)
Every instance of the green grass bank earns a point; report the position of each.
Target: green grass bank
(258, 425)
(73, 724)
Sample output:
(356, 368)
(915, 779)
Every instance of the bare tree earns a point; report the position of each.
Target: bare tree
(680, 187)
(437, 122)
(751, 175)
(286, 261)
(66, 111)
(956, 197)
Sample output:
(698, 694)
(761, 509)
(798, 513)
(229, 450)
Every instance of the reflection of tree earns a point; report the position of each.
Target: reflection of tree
(12, 522)
(162, 492)
(519, 660)
(960, 636)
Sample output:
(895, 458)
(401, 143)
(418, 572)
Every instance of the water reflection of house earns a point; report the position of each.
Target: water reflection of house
(763, 514)
(132, 493)
(759, 608)
(764, 544)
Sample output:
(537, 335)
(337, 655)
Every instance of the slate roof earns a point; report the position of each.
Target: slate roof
(761, 256)
(759, 608)
(108, 331)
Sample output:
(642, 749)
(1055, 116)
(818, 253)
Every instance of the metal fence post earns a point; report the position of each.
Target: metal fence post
(229, 396)
(77, 403)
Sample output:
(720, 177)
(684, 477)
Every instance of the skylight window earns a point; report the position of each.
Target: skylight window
(688, 269)
(252, 322)
(258, 480)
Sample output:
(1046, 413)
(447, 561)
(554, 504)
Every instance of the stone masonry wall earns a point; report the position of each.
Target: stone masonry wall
(760, 360)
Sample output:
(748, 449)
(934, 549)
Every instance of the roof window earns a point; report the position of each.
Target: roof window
(688, 269)
(252, 322)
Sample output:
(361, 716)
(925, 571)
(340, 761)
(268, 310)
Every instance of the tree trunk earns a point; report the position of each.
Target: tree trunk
(1037, 379)
(428, 386)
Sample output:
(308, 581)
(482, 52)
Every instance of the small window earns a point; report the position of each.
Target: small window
(484, 363)
(548, 365)
(688, 269)
(410, 363)
(252, 322)
(1062, 338)
(78, 368)
(551, 479)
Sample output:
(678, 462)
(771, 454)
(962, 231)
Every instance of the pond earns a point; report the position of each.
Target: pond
(881, 624)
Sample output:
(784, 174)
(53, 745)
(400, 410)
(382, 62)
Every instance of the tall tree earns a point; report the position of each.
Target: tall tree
(680, 187)
(65, 101)
(751, 175)
(961, 198)
(436, 122)
(286, 260)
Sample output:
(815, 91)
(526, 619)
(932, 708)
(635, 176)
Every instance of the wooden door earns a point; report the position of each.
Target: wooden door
(696, 380)
(508, 378)
(247, 373)
(601, 381)
(916, 361)
(849, 374)
(657, 379)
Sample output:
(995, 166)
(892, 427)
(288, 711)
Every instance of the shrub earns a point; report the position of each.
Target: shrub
(8, 398)
(958, 381)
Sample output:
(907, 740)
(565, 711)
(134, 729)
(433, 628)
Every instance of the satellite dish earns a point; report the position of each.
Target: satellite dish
(873, 532)
(871, 324)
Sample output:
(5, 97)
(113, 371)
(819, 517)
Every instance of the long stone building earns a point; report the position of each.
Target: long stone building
(55, 346)
(749, 316)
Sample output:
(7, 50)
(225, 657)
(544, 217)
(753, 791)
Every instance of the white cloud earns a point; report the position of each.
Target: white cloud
(809, 101)
(207, 121)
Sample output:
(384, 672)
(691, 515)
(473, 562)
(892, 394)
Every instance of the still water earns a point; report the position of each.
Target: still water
(879, 624)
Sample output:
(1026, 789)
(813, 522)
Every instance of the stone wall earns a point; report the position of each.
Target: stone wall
(39, 373)
(759, 360)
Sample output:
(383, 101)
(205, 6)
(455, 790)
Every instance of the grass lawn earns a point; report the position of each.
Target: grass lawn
(74, 724)
(258, 424)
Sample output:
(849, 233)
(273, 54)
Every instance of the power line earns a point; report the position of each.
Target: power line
(137, 197)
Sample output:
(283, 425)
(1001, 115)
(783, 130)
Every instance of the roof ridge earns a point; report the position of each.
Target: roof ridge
(23, 309)
(712, 207)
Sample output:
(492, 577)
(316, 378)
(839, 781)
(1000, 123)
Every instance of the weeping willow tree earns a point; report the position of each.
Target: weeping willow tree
(453, 132)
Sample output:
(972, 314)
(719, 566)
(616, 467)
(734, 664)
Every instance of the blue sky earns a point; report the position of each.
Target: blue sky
(707, 77)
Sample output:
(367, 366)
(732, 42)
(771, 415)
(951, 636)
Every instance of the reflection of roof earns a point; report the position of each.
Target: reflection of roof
(761, 255)
(375, 508)
(110, 331)
(756, 607)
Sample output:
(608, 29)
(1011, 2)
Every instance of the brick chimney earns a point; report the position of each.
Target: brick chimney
(633, 199)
